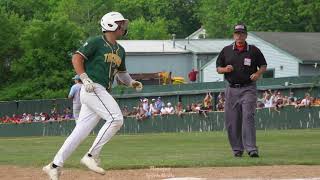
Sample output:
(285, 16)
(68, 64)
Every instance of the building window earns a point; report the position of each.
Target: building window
(268, 74)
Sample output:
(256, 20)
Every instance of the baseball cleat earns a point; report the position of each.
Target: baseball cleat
(53, 173)
(92, 164)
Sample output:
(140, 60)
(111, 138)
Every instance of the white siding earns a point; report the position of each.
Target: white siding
(210, 74)
(178, 64)
(274, 56)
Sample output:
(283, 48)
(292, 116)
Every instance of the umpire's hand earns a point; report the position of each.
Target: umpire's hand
(228, 68)
(254, 76)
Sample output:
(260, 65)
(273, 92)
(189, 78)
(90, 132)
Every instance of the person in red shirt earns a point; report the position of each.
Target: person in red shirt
(193, 75)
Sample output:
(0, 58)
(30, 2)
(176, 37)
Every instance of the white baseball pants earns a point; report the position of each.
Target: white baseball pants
(95, 106)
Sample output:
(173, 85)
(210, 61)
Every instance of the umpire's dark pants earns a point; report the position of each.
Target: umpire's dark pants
(240, 107)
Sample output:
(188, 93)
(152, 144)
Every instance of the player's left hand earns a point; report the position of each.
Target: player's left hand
(254, 76)
(137, 85)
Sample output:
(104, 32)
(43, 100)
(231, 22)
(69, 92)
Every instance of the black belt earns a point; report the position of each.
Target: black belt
(240, 85)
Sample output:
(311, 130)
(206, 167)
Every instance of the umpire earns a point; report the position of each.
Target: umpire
(242, 65)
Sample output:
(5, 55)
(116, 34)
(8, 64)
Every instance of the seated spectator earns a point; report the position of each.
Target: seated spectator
(37, 117)
(306, 102)
(163, 111)
(316, 102)
(179, 108)
(268, 101)
(188, 109)
(29, 118)
(142, 114)
(292, 96)
(159, 104)
(145, 105)
(169, 108)
(291, 101)
(194, 107)
(285, 100)
(125, 111)
(67, 113)
(152, 108)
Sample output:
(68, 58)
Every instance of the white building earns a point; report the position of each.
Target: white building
(287, 54)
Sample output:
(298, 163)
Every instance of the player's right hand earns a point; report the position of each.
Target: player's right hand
(87, 82)
(229, 68)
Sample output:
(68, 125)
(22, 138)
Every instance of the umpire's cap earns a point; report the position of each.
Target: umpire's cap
(240, 28)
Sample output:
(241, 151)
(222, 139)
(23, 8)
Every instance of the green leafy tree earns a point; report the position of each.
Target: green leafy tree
(178, 14)
(87, 14)
(142, 29)
(219, 16)
(48, 46)
(9, 42)
(309, 13)
(29, 8)
(213, 16)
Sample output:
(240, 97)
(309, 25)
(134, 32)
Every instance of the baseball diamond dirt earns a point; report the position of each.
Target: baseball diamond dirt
(253, 172)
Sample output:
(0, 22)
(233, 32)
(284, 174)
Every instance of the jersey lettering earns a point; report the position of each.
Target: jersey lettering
(112, 58)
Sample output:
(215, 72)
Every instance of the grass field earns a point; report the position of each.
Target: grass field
(170, 150)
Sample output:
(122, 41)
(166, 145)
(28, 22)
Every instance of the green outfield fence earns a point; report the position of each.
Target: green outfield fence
(266, 119)
(187, 93)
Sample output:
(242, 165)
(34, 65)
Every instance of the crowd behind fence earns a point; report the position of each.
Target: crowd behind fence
(147, 107)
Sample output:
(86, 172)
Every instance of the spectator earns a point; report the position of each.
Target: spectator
(169, 108)
(125, 111)
(74, 94)
(159, 104)
(207, 102)
(152, 108)
(179, 108)
(142, 114)
(193, 75)
(291, 101)
(316, 102)
(306, 102)
(268, 102)
(37, 117)
(145, 105)
(220, 105)
(67, 113)
(292, 96)
(188, 109)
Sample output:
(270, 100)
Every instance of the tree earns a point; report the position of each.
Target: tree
(87, 14)
(219, 16)
(9, 41)
(48, 46)
(213, 16)
(142, 29)
(178, 14)
(29, 9)
(309, 13)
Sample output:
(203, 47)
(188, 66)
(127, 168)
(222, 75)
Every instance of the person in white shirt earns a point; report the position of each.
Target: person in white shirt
(169, 108)
(152, 108)
(268, 101)
(305, 102)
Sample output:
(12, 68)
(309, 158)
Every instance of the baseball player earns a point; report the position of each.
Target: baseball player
(74, 94)
(97, 62)
(242, 65)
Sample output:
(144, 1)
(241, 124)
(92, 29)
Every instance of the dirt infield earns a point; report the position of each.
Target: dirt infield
(253, 172)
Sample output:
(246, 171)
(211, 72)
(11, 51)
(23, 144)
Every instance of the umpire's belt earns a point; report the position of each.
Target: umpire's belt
(240, 85)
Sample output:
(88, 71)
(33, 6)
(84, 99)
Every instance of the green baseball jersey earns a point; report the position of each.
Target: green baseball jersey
(102, 60)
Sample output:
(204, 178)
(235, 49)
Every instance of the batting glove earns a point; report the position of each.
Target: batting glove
(87, 82)
(137, 85)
